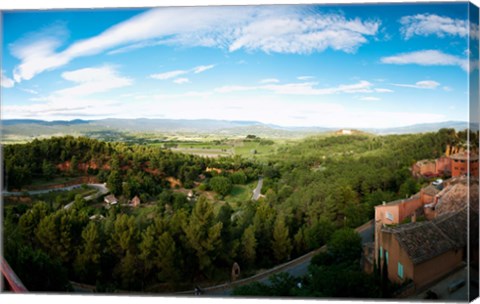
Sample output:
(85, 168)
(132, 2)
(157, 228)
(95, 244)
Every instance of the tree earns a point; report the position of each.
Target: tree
(48, 170)
(281, 243)
(238, 178)
(29, 220)
(124, 235)
(166, 258)
(39, 271)
(221, 185)
(249, 245)
(73, 165)
(345, 245)
(203, 234)
(88, 258)
(147, 250)
(114, 182)
(263, 223)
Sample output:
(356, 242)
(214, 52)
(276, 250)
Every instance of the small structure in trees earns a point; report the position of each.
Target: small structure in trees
(110, 199)
(235, 272)
(135, 202)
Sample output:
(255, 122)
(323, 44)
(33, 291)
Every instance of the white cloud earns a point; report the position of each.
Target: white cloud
(93, 80)
(76, 101)
(168, 75)
(269, 80)
(427, 58)
(424, 84)
(268, 29)
(176, 73)
(305, 77)
(370, 98)
(382, 90)
(447, 89)
(430, 24)
(303, 88)
(30, 91)
(181, 80)
(202, 68)
(5, 81)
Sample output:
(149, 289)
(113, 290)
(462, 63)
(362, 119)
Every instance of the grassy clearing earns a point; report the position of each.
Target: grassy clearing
(240, 194)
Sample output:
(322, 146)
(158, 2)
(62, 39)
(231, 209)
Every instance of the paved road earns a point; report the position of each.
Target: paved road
(101, 190)
(258, 189)
(302, 269)
(297, 267)
(36, 192)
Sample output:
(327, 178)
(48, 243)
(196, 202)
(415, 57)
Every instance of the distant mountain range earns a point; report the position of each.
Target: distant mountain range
(34, 128)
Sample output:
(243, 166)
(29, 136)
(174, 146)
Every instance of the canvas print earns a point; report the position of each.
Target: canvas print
(320, 151)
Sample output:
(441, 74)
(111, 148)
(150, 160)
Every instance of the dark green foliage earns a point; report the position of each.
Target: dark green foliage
(39, 271)
(221, 185)
(313, 188)
(238, 178)
(345, 245)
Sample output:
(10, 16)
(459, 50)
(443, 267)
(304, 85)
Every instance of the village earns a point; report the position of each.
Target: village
(421, 242)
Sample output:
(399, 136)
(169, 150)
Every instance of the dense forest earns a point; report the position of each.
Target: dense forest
(311, 189)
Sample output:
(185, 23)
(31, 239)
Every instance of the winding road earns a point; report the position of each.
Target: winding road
(257, 191)
(297, 267)
(101, 190)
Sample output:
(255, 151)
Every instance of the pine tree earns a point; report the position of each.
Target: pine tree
(249, 245)
(281, 243)
(203, 235)
(166, 258)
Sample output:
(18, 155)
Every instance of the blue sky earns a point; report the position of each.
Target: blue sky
(334, 66)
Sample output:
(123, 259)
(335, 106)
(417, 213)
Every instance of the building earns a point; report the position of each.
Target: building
(454, 165)
(424, 251)
(135, 202)
(462, 161)
(110, 199)
(424, 167)
(424, 238)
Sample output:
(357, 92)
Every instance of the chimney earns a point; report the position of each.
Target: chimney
(384, 203)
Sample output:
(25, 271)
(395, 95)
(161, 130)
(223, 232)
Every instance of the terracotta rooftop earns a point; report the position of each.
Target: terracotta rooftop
(399, 201)
(425, 240)
(424, 162)
(454, 226)
(431, 190)
(455, 197)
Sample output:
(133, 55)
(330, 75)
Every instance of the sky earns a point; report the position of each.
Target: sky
(292, 65)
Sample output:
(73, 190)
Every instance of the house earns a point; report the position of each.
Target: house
(135, 202)
(424, 251)
(427, 250)
(397, 211)
(453, 165)
(110, 199)
(424, 168)
(461, 163)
